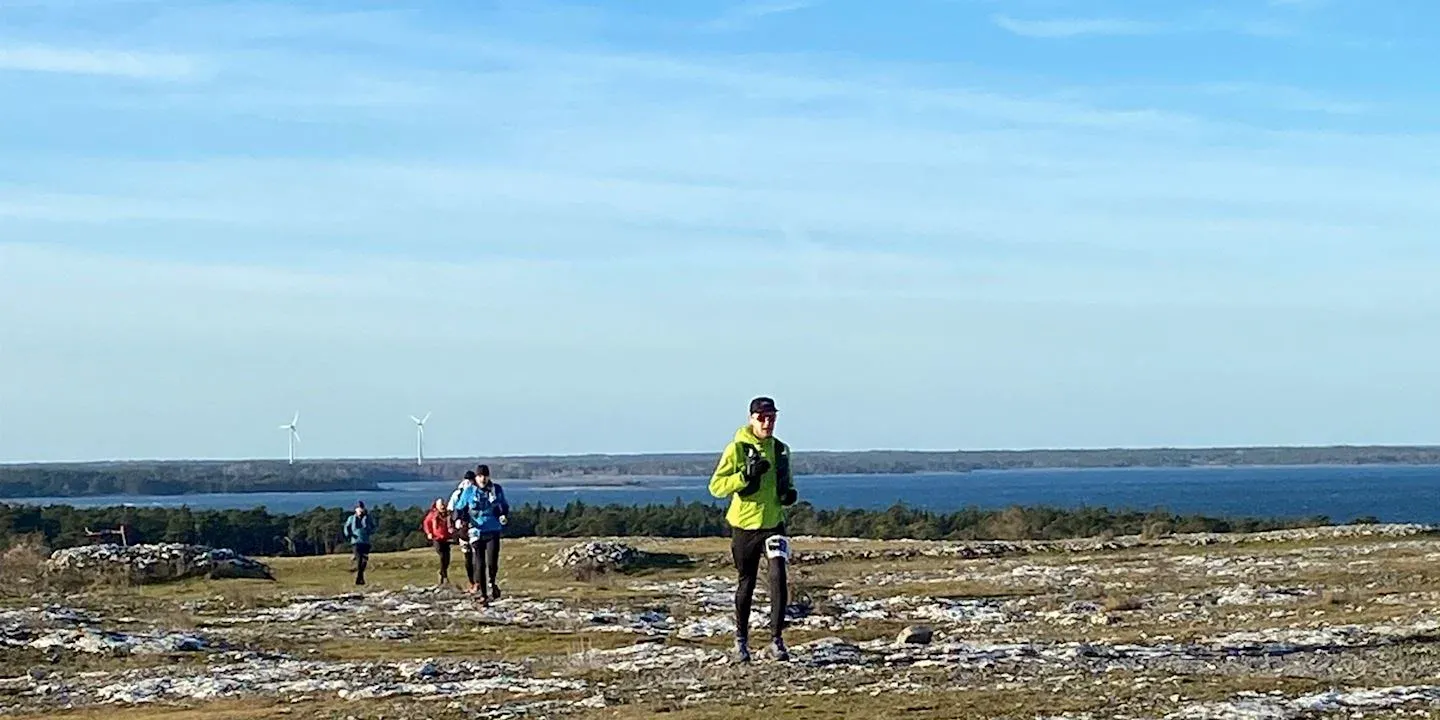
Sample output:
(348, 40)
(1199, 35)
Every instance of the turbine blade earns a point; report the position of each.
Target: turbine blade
(296, 434)
(418, 421)
(427, 418)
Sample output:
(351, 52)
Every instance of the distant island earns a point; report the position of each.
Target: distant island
(182, 477)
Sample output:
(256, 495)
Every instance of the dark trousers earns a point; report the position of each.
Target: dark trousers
(748, 547)
(469, 559)
(362, 558)
(486, 553)
(442, 549)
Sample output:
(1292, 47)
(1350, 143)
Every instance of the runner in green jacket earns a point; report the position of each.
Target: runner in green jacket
(754, 472)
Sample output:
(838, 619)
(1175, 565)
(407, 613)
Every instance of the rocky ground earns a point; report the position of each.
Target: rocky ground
(1337, 622)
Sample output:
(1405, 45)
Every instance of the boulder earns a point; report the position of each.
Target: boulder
(157, 563)
(915, 635)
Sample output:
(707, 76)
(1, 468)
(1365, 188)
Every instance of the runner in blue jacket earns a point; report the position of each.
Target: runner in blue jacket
(358, 529)
(487, 513)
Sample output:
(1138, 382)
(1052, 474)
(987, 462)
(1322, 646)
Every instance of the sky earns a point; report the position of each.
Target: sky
(566, 227)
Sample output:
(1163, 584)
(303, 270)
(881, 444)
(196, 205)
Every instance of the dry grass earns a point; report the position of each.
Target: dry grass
(1103, 695)
(1142, 591)
(22, 567)
(1122, 604)
(261, 709)
(507, 643)
(522, 572)
(23, 574)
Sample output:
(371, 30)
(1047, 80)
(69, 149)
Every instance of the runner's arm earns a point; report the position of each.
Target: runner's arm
(729, 475)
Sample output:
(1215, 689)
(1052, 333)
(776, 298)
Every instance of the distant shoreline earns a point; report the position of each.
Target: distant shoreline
(198, 477)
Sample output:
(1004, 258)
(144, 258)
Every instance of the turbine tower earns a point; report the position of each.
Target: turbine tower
(294, 434)
(420, 438)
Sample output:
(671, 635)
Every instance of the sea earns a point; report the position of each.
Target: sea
(1388, 493)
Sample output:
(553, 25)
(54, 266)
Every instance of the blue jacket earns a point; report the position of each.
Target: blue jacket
(484, 507)
(358, 531)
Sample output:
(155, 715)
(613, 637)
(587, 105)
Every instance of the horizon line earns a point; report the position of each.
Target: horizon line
(563, 456)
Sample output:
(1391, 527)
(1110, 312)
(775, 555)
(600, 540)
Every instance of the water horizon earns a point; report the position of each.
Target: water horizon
(1389, 493)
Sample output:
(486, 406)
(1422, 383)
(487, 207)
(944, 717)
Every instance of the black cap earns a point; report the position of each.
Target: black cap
(762, 406)
(469, 474)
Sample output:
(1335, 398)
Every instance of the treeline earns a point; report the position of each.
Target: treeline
(181, 478)
(877, 462)
(185, 477)
(316, 532)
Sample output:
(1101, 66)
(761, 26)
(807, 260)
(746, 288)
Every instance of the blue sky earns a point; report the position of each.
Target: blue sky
(602, 227)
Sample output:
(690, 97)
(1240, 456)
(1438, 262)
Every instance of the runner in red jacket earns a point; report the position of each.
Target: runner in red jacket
(439, 528)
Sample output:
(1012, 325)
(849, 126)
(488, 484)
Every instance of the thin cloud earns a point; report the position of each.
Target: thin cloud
(746, 13)
(1076, 27)
(112, 63)
(1289, 98)
(1269, 28)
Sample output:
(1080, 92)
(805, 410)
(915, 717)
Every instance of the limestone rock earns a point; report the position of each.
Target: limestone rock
(915, 635)
(157, 563)
(596, 556)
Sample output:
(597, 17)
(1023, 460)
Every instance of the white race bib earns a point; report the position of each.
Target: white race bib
(778, 546)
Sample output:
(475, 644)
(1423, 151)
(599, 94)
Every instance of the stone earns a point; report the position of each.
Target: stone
(157, 563)
(598, 556)
(915, 635)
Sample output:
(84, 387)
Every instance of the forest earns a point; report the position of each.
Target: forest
(316, 532)
(212, 476)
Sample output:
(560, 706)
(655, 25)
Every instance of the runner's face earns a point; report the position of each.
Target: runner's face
(763, 424)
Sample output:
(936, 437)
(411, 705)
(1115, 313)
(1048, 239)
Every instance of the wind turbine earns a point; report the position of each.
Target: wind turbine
(294, 434)
(420, 438)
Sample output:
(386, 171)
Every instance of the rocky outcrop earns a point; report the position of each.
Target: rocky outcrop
(57, 628)
(143, 564)
(268, 677)
(983, 549)
(1162, 632)
(593, 557)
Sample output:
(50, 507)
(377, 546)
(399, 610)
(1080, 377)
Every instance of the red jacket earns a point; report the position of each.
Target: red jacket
(436, 525)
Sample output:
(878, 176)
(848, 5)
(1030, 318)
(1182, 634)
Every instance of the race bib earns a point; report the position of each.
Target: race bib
(778, 547)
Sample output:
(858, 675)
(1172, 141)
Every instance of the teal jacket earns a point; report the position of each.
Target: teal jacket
(358, 530)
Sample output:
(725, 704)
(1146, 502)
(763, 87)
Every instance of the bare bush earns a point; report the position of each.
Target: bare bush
(22, 566)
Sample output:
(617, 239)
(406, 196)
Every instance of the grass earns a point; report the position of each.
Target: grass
(522, 572)
(1104, 695)
(259, 709)
(1142, 590)
(497, 644)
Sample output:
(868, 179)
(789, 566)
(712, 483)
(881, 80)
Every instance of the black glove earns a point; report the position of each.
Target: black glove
(788, 497)
(755, 468)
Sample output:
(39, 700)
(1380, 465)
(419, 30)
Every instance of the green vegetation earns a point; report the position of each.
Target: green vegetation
(182, 478)
(317, 532)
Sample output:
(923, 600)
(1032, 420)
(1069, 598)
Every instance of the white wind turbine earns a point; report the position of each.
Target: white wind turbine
(294, 434)
(420, 438)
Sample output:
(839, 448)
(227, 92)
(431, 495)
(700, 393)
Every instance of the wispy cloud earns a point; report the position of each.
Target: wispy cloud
(114, 63)
(630, 192)
(746, 13)
(1268, 28)
(1076, 27)
(1288, 98)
